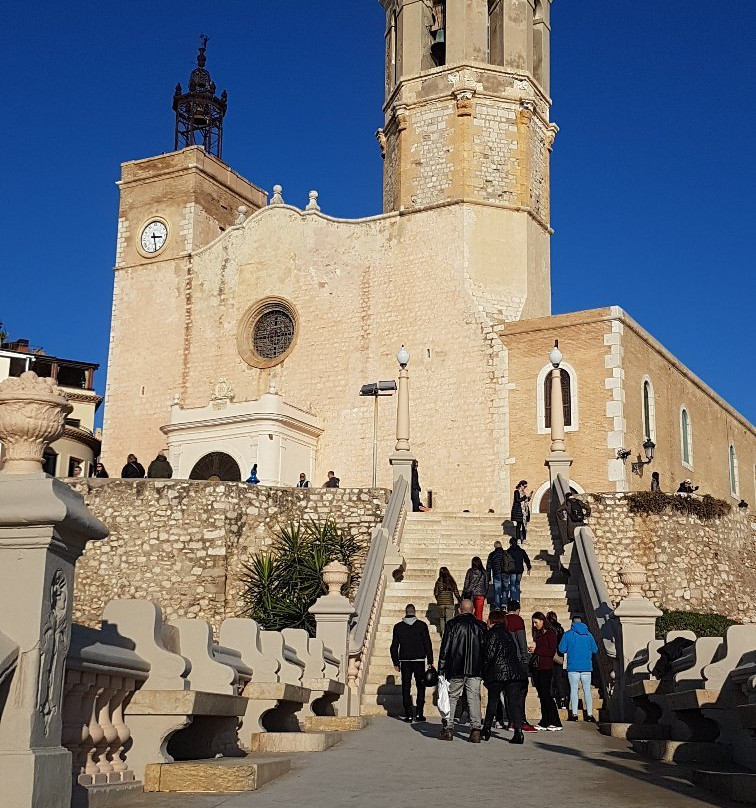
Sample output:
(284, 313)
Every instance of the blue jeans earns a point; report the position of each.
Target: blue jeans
(583, 678)
(501, 590)
(514, 585)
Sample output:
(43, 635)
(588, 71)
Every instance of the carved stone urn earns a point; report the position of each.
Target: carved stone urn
(33, 411)
(633, 576)
(335, 575)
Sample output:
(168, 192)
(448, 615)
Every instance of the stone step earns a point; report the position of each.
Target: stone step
(276, 742)
(422, 601)
(222, 775)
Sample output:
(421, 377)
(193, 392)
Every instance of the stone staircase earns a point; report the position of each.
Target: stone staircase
(433, 540)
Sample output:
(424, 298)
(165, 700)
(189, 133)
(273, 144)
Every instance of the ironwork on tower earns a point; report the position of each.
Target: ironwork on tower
(199, 112)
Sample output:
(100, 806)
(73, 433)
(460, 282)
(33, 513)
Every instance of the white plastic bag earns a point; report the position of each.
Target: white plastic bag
(443, 697)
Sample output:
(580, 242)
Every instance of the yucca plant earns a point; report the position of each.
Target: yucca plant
(281, 584)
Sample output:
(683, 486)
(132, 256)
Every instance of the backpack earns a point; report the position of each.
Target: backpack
(507, 563)
(576, 510)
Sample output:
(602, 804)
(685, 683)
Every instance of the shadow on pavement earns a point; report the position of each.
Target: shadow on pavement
(672, 778)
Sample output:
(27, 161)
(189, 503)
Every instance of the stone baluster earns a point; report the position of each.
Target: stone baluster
(44, 526)
(124, 733)
(109, 732)
(96, 734)
(76, 688)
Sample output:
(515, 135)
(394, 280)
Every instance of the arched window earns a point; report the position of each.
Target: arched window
(686, 438)
(566, 398)
(568, 378)
(734, 481)
(649, 410)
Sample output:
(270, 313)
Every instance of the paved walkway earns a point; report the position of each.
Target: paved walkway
(393, 765)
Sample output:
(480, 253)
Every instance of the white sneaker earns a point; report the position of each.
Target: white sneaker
(553, 728)
(540, 728)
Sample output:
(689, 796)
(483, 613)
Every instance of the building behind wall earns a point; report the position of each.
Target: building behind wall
(264, 319)
(80, 443)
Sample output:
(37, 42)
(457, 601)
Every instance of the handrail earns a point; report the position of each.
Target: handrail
(373, 571)
(594, 595)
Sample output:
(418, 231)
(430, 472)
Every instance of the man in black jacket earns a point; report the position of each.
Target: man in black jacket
(460, 661)
(497, 569)
(410, 648)
(520, 560)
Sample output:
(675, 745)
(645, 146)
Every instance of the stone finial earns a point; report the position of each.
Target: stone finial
(633, 576)
(313, 203)
(335, 575)
(241, 214)
(33, 411)
(277, 198)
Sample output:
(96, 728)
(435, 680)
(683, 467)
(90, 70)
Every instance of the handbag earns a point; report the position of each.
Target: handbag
(534, 663)
(558, 659)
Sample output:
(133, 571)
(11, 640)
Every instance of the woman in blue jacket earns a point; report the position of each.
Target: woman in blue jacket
(578, 646)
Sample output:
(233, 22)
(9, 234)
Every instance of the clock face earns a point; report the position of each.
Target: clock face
(154, 236)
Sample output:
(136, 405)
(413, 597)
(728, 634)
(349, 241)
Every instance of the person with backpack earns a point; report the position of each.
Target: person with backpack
(520, 560)
(498, 569)
(573, 511)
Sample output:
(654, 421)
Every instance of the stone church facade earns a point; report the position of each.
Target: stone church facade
(264, 320)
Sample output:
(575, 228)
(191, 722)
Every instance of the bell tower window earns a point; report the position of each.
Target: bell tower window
(438, 33)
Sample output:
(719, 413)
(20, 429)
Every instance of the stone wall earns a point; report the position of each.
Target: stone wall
(692, 565)
(183, 543)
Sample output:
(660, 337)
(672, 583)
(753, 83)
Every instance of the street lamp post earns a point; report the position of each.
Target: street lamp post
(374, 390)
(402, 458)
(558, 461)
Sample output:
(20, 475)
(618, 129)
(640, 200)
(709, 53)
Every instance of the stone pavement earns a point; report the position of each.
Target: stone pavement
(392, 765)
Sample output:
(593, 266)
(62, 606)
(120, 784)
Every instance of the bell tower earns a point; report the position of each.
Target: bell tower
(467, 121)
(199, 113)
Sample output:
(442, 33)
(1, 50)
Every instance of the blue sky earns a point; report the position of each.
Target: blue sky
(653, 170)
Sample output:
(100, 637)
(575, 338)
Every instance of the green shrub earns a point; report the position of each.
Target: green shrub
(282, 584)
(704, 508)
(701, 624)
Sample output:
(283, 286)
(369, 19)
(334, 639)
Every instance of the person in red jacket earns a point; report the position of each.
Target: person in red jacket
(544, 647)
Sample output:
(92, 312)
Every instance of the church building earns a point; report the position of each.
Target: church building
(260, 321)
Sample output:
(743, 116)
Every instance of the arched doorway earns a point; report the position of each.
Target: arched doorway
(542, 497)
(216, 466)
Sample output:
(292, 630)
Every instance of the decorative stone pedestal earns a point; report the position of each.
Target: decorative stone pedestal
(44, 526)
(333, 613)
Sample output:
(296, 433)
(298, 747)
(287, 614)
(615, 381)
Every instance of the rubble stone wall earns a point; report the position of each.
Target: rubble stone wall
(183, 543)
(692, 565)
